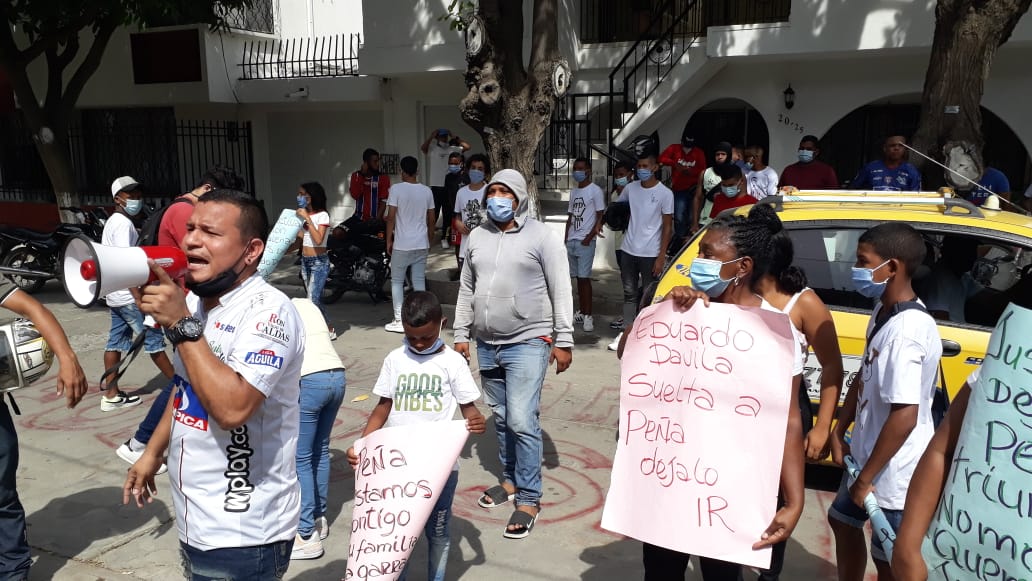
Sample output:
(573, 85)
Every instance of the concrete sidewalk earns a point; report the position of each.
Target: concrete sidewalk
(70, 478)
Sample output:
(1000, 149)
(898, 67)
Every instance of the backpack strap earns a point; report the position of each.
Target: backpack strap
(896, 309)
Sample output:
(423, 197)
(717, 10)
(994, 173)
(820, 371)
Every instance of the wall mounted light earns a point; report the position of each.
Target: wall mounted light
(789, 97)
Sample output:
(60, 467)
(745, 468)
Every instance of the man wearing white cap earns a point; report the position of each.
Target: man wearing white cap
(126, 318)
(515, 298)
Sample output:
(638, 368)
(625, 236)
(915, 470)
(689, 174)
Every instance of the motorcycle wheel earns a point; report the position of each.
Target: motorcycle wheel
(331, 295)
(25, 258)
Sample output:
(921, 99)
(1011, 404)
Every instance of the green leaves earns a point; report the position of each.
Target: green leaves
(459, 13)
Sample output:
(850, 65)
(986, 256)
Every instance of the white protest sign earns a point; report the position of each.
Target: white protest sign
(400, 474)
(704, 402)
(283, 234)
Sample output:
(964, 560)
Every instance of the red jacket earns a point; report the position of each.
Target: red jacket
(367, 201)
(687, 167)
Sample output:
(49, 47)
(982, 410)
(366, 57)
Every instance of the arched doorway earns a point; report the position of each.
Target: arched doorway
(857, 138)
(731, 120)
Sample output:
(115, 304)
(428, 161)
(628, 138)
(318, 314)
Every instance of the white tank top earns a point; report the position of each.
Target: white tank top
(804, 345)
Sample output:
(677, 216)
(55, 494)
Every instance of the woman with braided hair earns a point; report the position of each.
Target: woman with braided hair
(734, 254)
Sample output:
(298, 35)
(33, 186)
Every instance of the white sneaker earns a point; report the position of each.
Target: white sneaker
(120, 401)
(322, 528)
(589, 323)
(444, 243)
(310, 549)
(394, 327)
(578, 317)
(616, 343)
(126, 452)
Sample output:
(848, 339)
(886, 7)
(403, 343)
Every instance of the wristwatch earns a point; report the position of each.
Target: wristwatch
(185, 329)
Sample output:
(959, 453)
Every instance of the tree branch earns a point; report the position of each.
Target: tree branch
(52, 38)
(57, 62)
(544, 44)
(17, 74)
(89, 65)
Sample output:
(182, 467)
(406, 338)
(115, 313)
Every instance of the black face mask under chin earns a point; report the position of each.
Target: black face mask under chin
(219, 284)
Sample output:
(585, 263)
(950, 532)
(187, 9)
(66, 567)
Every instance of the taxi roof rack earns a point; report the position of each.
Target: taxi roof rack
(950, 203)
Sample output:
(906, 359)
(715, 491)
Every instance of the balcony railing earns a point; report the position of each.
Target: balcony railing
(627, 20)
(292, 58)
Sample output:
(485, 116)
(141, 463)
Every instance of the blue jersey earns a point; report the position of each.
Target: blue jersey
(992, 180)
(879, 177)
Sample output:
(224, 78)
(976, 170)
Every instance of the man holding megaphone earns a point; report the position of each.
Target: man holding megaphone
(231, 428)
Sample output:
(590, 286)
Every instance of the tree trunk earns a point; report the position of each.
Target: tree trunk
(62, 177)
(967, 35)
(507, 107)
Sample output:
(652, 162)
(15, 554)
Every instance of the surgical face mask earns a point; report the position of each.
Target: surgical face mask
(580, 176)
(644, 174)
(429, 350)
(805, 155)
(730, 191)
(500, 209)
(133, 207)
(218, 284)
(452, 168)
(476, 176)
(863, 281)
(621, 182)
(705, 276)
(302, 201)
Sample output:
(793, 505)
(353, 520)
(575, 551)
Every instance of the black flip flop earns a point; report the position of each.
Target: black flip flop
(497, 495)
(523, 520)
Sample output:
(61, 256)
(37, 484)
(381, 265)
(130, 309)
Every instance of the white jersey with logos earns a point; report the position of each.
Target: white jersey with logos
(239, 488)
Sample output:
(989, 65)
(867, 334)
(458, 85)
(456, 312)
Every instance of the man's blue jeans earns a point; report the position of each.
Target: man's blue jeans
(321, 395)
(400, 261)
(512, 376)
(150, 423)
(682, 217)
(261, 563)
(438, 533)
(15, 557)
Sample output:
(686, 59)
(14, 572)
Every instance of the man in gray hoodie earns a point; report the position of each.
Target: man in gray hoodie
(515, 298)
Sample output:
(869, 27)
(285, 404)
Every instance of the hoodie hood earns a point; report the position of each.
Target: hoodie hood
(513, 180)
(725, 147)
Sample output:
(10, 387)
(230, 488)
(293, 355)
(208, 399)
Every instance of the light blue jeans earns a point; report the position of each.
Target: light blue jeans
(437, 533)
(314, 271)
(512, 376)
(321, 395)
(401, 260)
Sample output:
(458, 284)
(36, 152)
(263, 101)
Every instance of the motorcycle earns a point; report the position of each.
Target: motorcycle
(358, 260)
(39, 253)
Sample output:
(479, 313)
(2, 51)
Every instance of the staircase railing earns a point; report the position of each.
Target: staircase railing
(675, 27)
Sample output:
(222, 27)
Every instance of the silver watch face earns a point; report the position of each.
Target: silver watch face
(191, 327)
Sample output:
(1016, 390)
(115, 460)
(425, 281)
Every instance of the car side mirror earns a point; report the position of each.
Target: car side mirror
(950, 348)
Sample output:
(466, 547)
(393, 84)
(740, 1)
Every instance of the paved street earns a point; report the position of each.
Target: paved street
(70, 479)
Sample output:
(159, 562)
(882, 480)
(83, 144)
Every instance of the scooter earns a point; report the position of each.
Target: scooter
(358, 260)
(24, 249)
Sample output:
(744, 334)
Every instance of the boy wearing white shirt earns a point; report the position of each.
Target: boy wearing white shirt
(583, 225)
(469, 211)
(445, 384)
(410, 228)
(891, 398)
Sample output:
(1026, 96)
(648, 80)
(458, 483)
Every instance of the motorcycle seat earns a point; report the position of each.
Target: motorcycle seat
(27, 234)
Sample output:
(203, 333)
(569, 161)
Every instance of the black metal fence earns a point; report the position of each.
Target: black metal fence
(627, 20)
(579, 128)
(258, 16)
(167, 156)
(326, 56)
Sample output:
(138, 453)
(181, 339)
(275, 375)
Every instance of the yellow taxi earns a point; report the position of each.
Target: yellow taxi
(981, 257)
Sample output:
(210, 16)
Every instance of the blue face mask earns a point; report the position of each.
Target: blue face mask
(302, 201)
(644, 174)
(454, 168)
(863, 281)
(580, 176)
(730, 191)
(476, 176)
(705, 276)
(133, 207)
(500, 209)
(621, 182)
(805, 155)
(429, 350)
(749, 164)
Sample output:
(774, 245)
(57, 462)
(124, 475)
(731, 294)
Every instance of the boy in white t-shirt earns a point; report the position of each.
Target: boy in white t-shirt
(410, 227)
(583, 225)
(450, 386)
(762, 179)
(891, 398)
(469, 212)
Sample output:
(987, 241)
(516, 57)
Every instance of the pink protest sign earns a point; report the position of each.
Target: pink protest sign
(704, 398)
(399, 476)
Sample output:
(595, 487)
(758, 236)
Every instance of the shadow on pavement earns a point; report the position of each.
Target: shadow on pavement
(67, 526)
